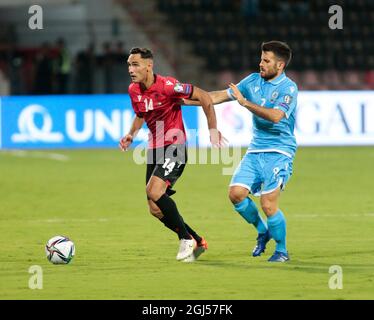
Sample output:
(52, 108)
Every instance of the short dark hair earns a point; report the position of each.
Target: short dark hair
(145, 53)
(280, 49)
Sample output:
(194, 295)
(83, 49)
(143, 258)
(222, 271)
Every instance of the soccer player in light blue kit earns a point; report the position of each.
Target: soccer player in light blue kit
(267, 165)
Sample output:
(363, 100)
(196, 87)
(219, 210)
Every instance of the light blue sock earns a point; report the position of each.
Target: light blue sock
(248, 210)
(277, 228)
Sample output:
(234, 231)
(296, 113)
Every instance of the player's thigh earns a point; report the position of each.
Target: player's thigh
(248, 174)
(164, 169)
(153, 186)
(156, 187)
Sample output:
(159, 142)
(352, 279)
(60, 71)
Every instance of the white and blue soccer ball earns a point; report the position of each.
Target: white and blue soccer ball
(60, 250)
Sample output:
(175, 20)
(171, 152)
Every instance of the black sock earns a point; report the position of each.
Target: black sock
(189, 229)
(172, 216)
(193, 233)
(165, 221)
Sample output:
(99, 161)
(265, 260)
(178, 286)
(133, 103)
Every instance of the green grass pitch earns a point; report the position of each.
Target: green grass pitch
(97, 198)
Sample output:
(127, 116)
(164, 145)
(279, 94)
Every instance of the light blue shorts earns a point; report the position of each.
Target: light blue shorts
(262, 173)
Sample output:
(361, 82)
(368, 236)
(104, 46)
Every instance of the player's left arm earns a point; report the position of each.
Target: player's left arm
(271, 114)
(206, 103)
(180, 91)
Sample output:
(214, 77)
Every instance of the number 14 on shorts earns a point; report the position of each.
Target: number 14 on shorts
(168, 166)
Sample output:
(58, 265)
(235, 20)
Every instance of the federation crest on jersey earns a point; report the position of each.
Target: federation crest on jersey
(178, 87)
(274, 95)
(182, 88)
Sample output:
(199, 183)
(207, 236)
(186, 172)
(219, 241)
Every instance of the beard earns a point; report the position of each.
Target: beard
(270, 74)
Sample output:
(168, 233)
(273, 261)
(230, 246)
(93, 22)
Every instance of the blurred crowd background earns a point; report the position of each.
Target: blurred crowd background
(52, 69)
(84, 44)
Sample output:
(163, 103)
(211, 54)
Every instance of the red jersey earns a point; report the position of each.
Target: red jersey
(160, 107)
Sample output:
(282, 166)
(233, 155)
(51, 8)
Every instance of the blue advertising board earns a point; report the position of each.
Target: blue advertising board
(99, 121)
(71, 121)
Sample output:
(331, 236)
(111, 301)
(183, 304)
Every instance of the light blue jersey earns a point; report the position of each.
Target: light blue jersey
(280, 93)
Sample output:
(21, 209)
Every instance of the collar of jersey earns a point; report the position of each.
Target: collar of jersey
(154, 82)
(277, 80)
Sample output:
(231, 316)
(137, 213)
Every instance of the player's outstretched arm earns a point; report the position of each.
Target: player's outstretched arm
(128, 138)
(216, 96)
(206, 102)
(273, 115)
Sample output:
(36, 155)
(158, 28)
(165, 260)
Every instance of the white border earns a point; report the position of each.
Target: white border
(270, 191)
(257, 194)
(269, 150)
(241, 185)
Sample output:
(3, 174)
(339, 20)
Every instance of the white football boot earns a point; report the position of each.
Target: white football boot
(186, 248)
(199, 249)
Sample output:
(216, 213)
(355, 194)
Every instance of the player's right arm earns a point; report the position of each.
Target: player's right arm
(128, 138)
(216, 96)
(137, 123)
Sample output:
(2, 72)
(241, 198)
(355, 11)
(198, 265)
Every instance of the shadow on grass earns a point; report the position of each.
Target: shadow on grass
(309, 266)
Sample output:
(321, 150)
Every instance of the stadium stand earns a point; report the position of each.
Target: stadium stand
(207, 42)
(230, 33)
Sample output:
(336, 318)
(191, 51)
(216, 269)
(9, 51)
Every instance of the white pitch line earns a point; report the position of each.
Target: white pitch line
(75, 220)
(37, 154)
(309, 216)
(330, 215)
(57, 156)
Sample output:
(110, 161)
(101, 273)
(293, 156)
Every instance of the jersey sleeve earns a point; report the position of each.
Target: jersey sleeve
(242, 86)
(175, 89)
(287, 99)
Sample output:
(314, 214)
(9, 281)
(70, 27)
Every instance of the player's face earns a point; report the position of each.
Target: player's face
(270, 65)
(139, 68)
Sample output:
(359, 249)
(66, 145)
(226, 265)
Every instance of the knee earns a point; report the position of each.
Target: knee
(268, 207)
(237, 196)
(153, 193)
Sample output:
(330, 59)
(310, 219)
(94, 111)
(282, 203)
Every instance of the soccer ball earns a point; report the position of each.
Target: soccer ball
(60, 250)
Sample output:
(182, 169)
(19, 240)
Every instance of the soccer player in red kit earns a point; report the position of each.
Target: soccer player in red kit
(156, 100)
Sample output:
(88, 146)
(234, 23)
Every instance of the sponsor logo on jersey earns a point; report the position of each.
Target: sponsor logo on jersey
(287, 99)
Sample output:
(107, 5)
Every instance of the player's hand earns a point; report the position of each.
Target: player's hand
(237, 94)
(125, 142)
(217, 139)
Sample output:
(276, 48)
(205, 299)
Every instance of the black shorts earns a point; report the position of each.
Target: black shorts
(166, 163)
